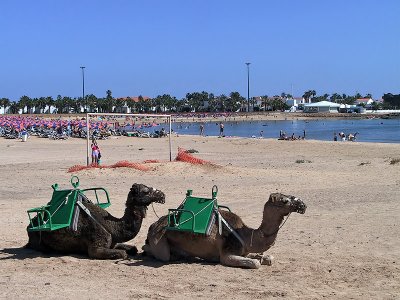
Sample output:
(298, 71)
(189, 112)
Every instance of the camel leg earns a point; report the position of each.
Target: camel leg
(131, 250)
(106, 253)
(159, 250)
(100, 248)
(265, 259)
(239, 261)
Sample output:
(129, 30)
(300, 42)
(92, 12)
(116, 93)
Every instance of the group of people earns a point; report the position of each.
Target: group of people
(284, 136)
(350, 137)
(221, 129)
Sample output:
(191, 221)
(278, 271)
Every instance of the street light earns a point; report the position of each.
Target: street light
(83, 86)
(248, 86)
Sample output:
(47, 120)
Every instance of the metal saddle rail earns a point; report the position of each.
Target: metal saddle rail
(95, 190)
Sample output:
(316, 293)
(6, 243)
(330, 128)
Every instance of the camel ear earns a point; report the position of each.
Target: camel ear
(135, 189)
(272, 197)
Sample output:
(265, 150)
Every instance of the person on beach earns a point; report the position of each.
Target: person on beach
(221, 129)
(201, 130)
(95, 152)
(334, 137)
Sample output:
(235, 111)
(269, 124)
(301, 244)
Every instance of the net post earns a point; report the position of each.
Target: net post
(87, 139)
(169, 136)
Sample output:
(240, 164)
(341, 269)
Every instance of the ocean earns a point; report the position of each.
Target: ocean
(369, 130)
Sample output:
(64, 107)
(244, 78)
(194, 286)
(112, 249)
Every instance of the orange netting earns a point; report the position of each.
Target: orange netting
(120, 164)
(128, 164)
(151, 161)
(189, 158)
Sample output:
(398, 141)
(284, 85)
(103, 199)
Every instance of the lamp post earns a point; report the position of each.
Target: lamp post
(248, 86)
(83, 86)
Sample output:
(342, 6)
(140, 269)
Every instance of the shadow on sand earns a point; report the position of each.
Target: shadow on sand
(147, 261)
(23, 253)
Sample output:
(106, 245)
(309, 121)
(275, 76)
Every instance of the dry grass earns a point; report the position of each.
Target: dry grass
(394, 161)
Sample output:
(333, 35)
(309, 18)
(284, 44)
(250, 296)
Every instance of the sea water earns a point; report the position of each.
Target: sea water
(369, 130)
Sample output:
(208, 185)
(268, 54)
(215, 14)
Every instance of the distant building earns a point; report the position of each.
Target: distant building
(123, 107)
(365, 101)
(322, 107)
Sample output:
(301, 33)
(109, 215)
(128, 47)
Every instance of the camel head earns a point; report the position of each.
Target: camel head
(286, 203)
(142, 195)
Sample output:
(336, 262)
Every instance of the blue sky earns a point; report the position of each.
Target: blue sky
(174, 47)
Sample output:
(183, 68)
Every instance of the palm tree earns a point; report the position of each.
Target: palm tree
(4, 102)
(59, 104)
(234, 101)
(223, 102)
(358, 96)
(41, 104)
(109, 102)
(158, 103)
(129, 102)
(76, 104)
(264, 101)
(49, 102)
(168, 102)
(68, 103)
(92, 102)
(14, 107)
(25, 101)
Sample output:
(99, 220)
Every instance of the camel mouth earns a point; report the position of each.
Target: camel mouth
(159, 197)
(298, 205)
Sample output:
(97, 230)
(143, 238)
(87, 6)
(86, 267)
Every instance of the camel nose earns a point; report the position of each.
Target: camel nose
(160, 196)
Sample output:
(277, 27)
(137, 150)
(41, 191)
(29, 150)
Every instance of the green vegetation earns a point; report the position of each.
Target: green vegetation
(196, 101)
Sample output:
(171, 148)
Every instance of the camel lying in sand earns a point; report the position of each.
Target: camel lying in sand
(241, 247)
(100, 236)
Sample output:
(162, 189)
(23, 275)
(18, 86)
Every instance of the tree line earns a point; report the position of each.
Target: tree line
(64, 104)
(192, 102)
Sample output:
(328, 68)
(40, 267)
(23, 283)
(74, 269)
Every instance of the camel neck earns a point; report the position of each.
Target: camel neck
(128, 226)
(134, 213)
(262, 238)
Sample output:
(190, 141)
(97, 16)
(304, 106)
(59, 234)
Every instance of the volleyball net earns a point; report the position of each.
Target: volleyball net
(123, 122)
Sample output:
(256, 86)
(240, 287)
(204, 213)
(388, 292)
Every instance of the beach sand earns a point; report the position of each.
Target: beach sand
(346, 245)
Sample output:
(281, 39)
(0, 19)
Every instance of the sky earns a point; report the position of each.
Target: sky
(174, 47)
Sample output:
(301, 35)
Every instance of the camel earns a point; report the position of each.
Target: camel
(242, 246)
(100, 237)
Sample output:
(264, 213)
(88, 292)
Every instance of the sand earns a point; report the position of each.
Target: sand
(346, 246)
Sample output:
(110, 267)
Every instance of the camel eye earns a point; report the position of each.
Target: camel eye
(285, 200)
(146, 190)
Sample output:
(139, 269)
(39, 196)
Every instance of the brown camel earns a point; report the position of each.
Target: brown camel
(239, 247)
(101, 236)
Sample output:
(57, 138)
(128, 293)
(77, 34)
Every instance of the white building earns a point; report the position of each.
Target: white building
(322, 106)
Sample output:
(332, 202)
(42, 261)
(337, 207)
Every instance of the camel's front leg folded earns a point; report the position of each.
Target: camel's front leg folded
(239, 261)
(130, 249)
(265, 259)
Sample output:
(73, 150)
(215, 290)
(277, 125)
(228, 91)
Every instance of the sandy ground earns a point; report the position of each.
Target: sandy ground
(346, 246)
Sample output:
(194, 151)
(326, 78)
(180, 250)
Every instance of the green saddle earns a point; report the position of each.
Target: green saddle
(195, 214)
(58, 213)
